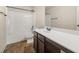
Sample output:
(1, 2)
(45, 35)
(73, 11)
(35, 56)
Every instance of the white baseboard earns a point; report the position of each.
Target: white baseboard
(3, 49)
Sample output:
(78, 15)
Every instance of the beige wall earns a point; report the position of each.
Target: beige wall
(40, 16)
(66, 16)
(2, 30)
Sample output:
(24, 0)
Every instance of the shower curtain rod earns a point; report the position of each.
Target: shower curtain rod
(20, 8)
(3, 13)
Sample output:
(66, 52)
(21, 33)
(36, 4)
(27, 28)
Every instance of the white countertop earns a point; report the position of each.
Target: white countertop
(67, 38)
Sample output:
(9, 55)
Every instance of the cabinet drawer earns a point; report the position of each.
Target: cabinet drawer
(40, 37)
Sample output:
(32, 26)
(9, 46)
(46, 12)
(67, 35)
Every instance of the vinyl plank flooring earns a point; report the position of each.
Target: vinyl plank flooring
(19, 47)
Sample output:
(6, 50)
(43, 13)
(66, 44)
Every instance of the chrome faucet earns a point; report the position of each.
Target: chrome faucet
(48, 28)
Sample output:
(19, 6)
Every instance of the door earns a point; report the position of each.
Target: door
(77, 25)
(50, 48)
(40, 46)
(19, 24)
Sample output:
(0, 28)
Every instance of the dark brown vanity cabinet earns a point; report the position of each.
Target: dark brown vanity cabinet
(44, 45)
(38, 43)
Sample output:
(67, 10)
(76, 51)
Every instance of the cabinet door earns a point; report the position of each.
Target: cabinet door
(41, 37)
(40, 47)
(35, 44)
(50, 48)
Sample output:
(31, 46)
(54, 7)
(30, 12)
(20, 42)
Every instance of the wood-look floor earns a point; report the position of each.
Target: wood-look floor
(19, 47)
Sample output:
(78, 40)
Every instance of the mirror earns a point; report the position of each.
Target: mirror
(62, 17)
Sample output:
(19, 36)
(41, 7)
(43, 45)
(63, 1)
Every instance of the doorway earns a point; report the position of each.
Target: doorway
(77, 22)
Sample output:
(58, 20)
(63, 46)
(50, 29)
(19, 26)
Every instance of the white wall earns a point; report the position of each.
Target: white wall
(40, 16)
(2, 29)
(66, 16)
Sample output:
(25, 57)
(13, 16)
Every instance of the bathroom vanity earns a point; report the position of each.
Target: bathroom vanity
(55, 40)
(43, 44)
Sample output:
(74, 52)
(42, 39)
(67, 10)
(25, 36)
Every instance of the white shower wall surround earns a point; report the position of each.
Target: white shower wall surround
(18, 25)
